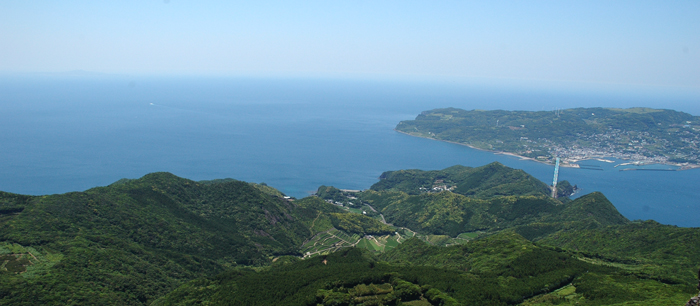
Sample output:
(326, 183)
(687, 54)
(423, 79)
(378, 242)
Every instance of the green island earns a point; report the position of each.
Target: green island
(640, 135)
(489, 235)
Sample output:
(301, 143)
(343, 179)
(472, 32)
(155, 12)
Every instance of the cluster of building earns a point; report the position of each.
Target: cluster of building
(639, 146)
(438, 186)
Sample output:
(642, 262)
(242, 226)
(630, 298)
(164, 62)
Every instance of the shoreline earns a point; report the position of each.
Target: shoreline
(565, 163)
(486, 150)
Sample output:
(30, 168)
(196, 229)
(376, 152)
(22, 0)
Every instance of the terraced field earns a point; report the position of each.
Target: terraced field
(379, 244)
(328, 241)
(440, 240)
(388, 242)
(17, 259)
(334, 239)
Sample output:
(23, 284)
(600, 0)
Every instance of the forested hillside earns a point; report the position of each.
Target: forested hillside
(490, 198)
(486, 181)
(663, 251)
(489, 235)
(135, 240)
(504, 269)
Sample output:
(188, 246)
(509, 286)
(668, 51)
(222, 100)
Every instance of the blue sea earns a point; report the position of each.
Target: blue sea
(61, 133)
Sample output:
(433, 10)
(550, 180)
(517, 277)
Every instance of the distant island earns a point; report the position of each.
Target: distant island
(641, 135)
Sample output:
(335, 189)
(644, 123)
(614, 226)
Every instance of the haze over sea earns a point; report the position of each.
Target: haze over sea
(62, 133)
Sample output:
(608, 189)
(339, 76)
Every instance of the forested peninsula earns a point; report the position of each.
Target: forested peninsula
(489, 235)
(641, 136)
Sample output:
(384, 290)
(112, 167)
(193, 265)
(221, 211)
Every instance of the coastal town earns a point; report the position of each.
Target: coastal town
(639, 136)
(639, 148)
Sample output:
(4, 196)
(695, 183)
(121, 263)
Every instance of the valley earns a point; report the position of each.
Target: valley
(489, 235)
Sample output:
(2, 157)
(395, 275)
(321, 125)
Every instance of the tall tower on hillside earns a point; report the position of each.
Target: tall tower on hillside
(556, 178)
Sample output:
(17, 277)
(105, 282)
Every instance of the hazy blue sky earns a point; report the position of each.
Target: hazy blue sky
(614, 42)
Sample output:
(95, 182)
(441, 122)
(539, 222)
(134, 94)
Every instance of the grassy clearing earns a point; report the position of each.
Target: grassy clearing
(374, 245)
(563, 296)
(417, 303)
(470, 235)
(408, 233)
(355, 210)
(25, 261)
(601, 262)
(364, 244)
(391, 243)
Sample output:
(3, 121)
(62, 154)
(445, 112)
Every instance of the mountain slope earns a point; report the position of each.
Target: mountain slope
(504, 269)
(490, 180)
(665, 251)
(590, 211)
(448, 213)
(135, 240)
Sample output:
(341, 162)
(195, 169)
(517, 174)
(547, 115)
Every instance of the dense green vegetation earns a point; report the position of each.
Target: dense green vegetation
(447, 213)
(135, 240)
(505, 269)
(487, 181)
(488, 199)
(495, 262)
(482, 182)
(466, 236)
(663, 251)
(666, 135)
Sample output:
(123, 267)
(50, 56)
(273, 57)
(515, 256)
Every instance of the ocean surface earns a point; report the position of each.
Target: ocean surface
(72, 133)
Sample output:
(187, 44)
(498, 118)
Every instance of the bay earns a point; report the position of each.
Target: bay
(71, 133)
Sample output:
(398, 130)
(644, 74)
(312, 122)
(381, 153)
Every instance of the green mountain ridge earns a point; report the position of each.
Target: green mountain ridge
(485, 236)
(135, 240)
(486, 181)
(502, 198)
